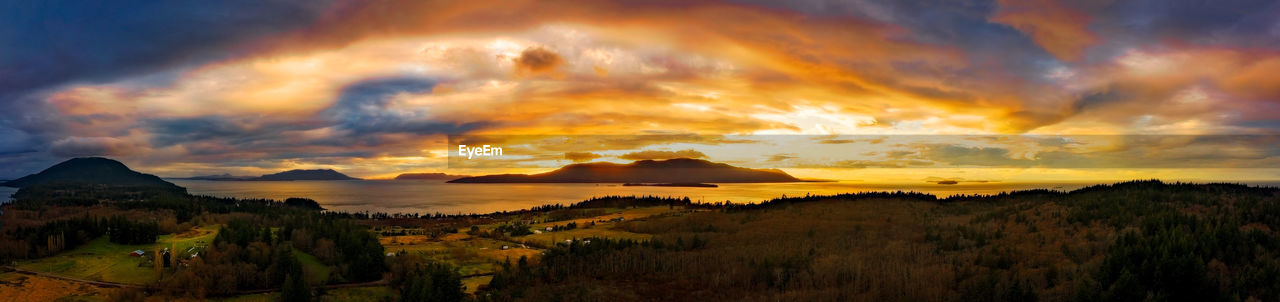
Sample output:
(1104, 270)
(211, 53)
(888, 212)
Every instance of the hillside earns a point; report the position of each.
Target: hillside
(91, 170)
(680, 170)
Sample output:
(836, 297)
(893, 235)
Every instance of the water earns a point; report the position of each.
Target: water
(5, 193)
(427, 197)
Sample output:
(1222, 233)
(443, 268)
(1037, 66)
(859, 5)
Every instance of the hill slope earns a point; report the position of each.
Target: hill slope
(91, 170)
(680, 170)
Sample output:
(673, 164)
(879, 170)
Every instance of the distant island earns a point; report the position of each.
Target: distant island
(317, 174)
(296, 174)
(671, 171)
(95, 171)
(429, 176)
(693, 185)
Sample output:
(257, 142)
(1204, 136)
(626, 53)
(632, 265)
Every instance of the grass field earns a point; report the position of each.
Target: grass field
(317, 273)
(105, 261)
(361, 294)
(17, 287)
(477, 255)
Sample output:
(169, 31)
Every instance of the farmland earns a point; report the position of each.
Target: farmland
(102, 260)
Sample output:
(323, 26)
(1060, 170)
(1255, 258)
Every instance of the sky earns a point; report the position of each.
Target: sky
(375, 88)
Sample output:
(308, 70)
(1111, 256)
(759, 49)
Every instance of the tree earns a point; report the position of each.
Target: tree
(295, 289)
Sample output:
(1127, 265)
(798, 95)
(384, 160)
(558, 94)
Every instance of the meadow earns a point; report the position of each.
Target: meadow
(101, 260)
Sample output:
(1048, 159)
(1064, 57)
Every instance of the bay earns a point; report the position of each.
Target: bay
(426, 197)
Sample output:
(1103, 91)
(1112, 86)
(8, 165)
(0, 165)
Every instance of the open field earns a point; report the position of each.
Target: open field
(105, 261)
(474, 255)
(317, 273)
(18, 287)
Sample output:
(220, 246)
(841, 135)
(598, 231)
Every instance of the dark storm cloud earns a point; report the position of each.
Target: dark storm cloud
(1236, 23)
(363, 108)
(172, 131)
(91, 146)
(358, 124)
(48, 43)
(1098, 99)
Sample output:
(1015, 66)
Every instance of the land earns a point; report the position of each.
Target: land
(317, 174)
(680, 170)
(101, 260)
(91, 170)
(297, 174)
(1130, 241)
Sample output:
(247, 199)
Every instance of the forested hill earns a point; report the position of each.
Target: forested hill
(92, 171)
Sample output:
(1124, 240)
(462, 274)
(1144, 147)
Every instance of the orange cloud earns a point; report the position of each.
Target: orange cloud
(1059, 29)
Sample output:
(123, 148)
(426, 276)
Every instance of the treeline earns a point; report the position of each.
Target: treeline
(121, 230)
(351, 248)
(247, 255)
(57, 236)
(564, 263)
(184, 206)
(419, 279)
(1132, 241)
(19, 242)
(593, 203)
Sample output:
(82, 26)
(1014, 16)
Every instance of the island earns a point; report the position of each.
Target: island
(96, 171)
(671, 171)
(296, 174)
(299, 174)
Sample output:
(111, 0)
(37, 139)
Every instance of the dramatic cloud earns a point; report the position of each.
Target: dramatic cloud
(376, 86)
(1057, 28)
(91, 146)
(56, 42)
(658, 154)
